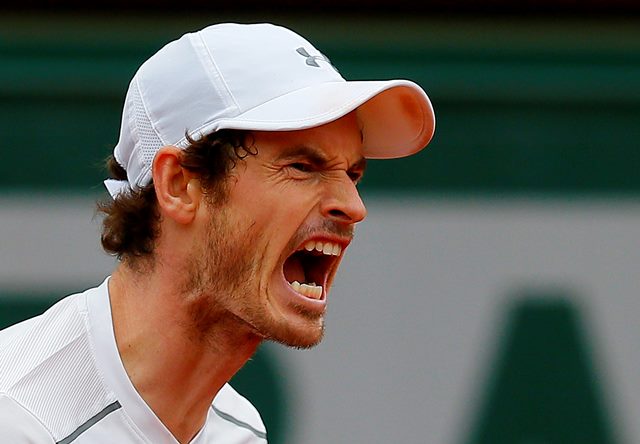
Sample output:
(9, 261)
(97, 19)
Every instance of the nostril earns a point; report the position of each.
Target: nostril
(338, 214)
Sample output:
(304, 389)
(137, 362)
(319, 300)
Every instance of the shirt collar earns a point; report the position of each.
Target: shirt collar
(115, 376)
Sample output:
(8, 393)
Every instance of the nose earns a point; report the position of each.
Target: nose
(342, 203)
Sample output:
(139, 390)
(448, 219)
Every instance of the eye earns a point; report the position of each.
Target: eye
(301, 166)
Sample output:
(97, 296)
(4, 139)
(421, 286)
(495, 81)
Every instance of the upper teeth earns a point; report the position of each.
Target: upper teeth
(328, 248)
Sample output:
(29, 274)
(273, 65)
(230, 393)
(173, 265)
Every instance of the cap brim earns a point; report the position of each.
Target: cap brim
(396, 115)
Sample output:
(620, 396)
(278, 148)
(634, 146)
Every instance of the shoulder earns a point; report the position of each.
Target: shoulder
(18, 425)
(48, 371)
(28, 344)
(235, 409)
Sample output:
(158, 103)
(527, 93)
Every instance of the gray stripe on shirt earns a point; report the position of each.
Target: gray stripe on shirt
(91, 422)
(239, 423)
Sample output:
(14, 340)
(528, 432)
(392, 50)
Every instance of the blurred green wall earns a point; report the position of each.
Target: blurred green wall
(525, 106)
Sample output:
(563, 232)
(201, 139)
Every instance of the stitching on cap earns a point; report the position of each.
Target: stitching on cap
(146, 111)
(211, 60)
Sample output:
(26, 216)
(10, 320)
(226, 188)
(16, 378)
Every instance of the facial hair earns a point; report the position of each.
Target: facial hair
(225, 295)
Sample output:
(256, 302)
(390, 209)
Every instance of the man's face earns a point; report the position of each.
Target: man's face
(273, 247)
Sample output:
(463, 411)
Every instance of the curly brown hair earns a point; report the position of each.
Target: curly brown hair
(131, 220)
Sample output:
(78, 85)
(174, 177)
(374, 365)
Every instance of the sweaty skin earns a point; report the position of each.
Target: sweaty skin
(219, 282)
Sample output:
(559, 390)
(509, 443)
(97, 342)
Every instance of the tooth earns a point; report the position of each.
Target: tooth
(336, 250)
(309, 246)
(310, 290)
(319, 246)
(305, 289)
(328, 249)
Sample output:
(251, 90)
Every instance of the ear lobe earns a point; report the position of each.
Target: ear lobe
(177, 190)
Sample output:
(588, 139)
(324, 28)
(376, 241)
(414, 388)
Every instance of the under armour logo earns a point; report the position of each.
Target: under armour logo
(312, 60)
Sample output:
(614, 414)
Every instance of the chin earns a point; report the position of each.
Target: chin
(301, 335)
(299, 341)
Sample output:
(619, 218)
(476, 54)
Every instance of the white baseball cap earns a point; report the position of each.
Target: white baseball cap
(257, 77)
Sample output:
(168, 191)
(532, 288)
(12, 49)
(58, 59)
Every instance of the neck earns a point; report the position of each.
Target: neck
(176, 369)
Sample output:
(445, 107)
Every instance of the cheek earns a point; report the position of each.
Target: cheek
(275, 210)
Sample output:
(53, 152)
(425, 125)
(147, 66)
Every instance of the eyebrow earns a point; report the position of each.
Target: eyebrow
(316, 157)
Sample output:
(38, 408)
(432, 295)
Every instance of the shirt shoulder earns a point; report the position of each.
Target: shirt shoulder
(27, 345)
(237, 413)
(48, 369)
(18, 425)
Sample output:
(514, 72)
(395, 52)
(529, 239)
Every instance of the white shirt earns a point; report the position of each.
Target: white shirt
(62, 381)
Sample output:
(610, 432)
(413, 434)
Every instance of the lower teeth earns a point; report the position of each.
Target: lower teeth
(311, 290)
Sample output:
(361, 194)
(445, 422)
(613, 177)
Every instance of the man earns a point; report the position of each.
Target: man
(233, 200)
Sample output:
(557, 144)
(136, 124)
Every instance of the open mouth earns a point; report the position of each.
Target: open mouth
(307, 270)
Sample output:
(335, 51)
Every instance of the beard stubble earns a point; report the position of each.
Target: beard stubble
(224, 292)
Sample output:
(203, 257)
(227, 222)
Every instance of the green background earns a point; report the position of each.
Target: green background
(523, 106)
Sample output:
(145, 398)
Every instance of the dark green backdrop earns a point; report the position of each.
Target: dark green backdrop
(535, 106)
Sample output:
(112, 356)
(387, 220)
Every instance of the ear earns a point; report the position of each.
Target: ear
(178, 191)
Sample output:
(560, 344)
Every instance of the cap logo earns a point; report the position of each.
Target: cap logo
(313, 60)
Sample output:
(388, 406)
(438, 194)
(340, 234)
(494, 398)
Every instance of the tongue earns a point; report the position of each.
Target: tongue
(293, 270)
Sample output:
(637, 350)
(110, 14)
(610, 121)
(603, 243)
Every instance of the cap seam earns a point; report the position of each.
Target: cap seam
(130, 119)
(219, 74)
(133, 129)
(139, 182)
(146, 111)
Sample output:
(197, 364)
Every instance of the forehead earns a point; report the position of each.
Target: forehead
(340, 139)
